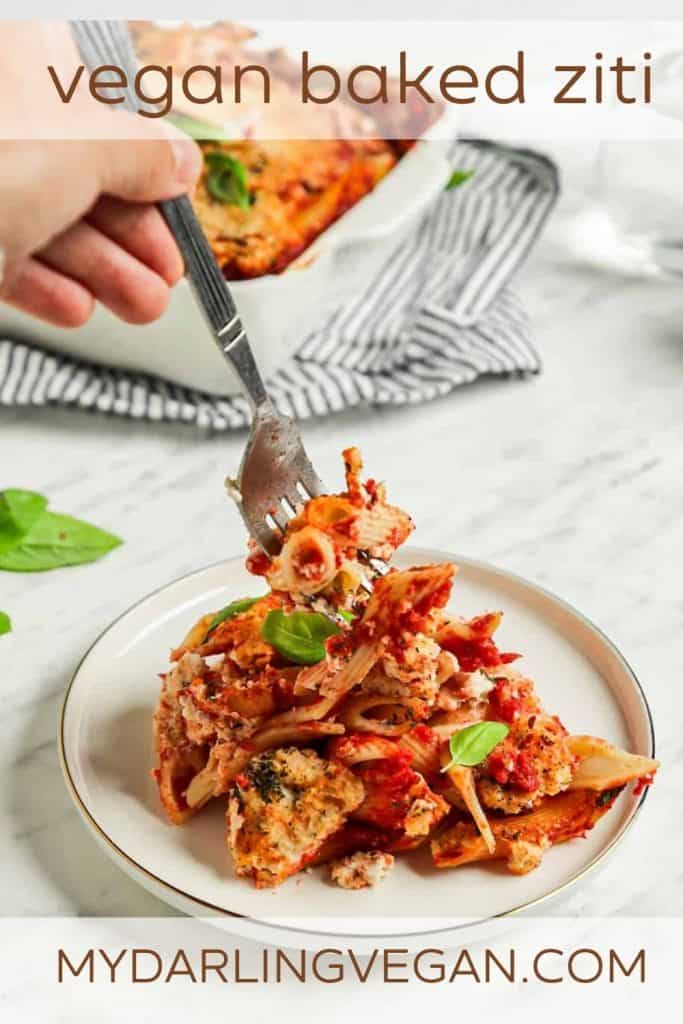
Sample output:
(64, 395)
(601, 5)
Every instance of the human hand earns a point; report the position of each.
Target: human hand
(78, 221)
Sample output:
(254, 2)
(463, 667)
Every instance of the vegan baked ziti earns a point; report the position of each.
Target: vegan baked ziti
(345, 727)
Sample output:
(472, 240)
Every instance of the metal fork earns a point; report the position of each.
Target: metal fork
(275, 476)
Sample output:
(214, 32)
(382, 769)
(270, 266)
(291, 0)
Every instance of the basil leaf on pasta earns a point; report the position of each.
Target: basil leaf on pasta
(243, 604)
(227, 179)
(299, 637)
(474, 743)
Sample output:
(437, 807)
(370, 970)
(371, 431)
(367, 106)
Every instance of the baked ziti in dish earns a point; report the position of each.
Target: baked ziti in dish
(345, 724)
(262, 203)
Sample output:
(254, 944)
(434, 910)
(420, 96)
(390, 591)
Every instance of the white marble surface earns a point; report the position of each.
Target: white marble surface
(572, 479)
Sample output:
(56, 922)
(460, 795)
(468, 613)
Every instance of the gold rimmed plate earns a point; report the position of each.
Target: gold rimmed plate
(107, 754)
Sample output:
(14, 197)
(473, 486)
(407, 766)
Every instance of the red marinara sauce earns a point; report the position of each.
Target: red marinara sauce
(481, 652)
(258, 563)
(388, 783)
(511, 767)
(505, 703)
(642, 784)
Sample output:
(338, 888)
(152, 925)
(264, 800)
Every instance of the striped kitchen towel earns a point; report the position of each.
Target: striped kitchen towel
(440, 314)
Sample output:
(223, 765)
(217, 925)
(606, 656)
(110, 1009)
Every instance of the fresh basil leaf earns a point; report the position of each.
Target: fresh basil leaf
(299, 637)
(227, 180)
(346, 615)
(474, 743)
(18, 512)
(5, 623)
(200, 131)
(458, 178)
(230, 611)
(55, 541)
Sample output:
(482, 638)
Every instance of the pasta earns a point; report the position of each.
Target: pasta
(344, 723)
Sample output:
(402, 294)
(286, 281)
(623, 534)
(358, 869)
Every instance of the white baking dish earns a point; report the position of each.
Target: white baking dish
(277, 310)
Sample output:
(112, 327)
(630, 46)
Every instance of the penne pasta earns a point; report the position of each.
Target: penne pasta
(392, 719)
(339, 721)
(423, 744)
(307, 563)
(521, 840)
(355, 749)
(602, 766)
(462, 780)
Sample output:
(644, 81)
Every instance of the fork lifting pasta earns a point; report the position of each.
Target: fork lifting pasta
(343, 727)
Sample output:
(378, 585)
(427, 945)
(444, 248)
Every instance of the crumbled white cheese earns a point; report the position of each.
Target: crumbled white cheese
(361, 870)
(524, 857)
(478, 685)
(420, 817)
(199, 726)
(188, 668)
(419, 660)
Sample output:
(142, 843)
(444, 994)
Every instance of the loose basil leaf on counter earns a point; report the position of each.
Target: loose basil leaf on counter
(474, 743)
(5, 623)
(230, 611)
(458, 178)
(18, 512)
(55, 541)
(227, 180)
(299, 637)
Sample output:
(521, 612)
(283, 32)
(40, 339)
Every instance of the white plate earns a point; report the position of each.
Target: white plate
(107, 752)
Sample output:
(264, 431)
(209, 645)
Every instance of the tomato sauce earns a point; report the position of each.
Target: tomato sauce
(504, 703)
(258, 563)
(642, 784)
(480, 653)
(388, 783)
(513, 768)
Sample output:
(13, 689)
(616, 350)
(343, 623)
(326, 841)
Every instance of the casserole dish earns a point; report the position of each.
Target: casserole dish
(278, 310)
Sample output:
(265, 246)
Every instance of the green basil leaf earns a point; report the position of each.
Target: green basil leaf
(200, 131)
(227, 180)
(299, 637)
(458, 178)
(55, 541)
(230, 611)
(5, 623)
(346, 615)
(474, 743)
(18, 512)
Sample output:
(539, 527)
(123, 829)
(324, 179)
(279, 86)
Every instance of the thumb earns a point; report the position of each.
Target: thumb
(152, 163)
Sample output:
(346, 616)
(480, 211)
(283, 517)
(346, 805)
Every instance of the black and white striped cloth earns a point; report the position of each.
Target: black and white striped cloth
(440, 314)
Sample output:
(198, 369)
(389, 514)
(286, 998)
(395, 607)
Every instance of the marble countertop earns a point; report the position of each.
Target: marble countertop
(572, 479)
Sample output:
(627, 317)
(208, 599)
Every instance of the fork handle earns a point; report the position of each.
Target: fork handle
(241, 356)
(215, 299)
